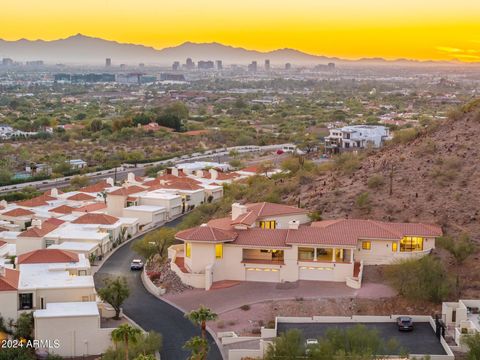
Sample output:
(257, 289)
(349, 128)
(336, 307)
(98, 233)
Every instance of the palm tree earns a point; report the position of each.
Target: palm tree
(200, 317)
(198, 348)
(125, 333)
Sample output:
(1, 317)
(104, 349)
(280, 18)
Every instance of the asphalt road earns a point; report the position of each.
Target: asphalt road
(148, 311)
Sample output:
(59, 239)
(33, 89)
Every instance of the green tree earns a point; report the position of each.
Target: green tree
(200, 317)
(115, 292)
(127, 334)
(473, 343)
(155, 243)
(460, 249)
(289, 345)
(145, 357)
(24, 326)
(423, 279)
(198, 348)
(17, 354)
(79, 181)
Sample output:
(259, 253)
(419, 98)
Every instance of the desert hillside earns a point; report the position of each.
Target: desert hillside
(435, 178)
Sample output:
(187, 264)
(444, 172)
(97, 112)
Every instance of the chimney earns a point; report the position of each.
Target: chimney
(2, 270)
(131, 177)
(199, 173)
(293, 224)
(37, 223)
(187, 171)
(160, 172)
(175, 171)
(237, 210)
(109, 181)
(3, 203)
(54, 192)
(214, 174)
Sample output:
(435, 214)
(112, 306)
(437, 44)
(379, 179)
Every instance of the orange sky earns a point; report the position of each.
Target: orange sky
(415, 29)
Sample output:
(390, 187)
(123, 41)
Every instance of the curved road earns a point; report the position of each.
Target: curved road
(148, 311)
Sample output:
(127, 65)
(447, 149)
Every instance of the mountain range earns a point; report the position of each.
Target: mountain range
(81, 49)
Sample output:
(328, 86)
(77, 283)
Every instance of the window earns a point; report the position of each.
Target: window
(394, 246)
(366, 245)
(411, 243)
(188, 250)
(219, 251)
(270, 224)
(49, 243)
(306, 253)
(25, 301)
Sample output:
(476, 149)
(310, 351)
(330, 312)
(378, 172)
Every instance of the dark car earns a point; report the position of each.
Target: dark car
(136, 264)
(405, 323)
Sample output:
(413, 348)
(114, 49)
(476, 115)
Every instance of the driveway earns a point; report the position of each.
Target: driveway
(248, 292)
(148, 311)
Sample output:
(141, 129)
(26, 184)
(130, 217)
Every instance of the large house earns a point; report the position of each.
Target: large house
(356, 136)
(277, 243)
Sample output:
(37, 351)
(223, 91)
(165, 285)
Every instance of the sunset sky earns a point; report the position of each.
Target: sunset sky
(415, 29)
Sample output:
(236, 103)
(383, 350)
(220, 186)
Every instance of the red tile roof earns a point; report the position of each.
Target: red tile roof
(221, 223)
(329, 233)
(36, 201)
(92, 207)
(9, 282)
(371, 229)
(54, 221)
(2, 243)
(48, 256)
(38, 232)
(62, 209)
(206, 234)
(169, 181)
(96, 188)
(125, 191)
(18, 212)
(81, 197)
(99, 219)
(251, 169)
(271, 209)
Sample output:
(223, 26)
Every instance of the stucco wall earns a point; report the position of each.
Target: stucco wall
(78, 336)
(8, 305)
(115, 205)
(63, 295)
(381, 252)
(27, 244)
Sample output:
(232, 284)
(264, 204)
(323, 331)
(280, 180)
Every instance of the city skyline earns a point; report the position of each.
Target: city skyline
(432, 30)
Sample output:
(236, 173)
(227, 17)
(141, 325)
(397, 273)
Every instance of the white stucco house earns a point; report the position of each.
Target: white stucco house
(277, 243)
(356, 136)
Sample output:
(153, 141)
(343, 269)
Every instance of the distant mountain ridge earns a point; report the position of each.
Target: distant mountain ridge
(81, 49)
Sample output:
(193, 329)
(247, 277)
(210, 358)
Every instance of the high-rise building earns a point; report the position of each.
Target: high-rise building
(108, 62)
(176, 65)
(7, 61)
(190, 64)
(252, 67)
(288, 66)
(267, 65)
(219, 64)
(331, 66)
(205, 65)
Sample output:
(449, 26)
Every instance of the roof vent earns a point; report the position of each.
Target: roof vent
(293, 224)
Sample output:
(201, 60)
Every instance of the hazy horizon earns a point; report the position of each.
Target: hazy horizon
(349, 29)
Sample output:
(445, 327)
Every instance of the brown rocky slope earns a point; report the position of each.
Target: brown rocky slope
(435, 179)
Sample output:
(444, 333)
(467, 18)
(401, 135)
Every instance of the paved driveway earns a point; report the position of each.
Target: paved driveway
(148, 311)
(249, 292)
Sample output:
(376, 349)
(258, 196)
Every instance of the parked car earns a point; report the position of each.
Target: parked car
(405, 323)
(136, 264)
(309, 343)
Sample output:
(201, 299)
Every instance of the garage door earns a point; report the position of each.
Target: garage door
(262, 274)
(316, 273)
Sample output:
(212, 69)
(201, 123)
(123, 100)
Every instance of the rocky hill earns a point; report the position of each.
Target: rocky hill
(435, 177)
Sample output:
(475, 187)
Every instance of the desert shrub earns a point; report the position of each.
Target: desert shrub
(315, 215)
(404, 136)
(375, 181)
(363, 202)
(245, 307)
(446, 170)
(425, 279)
(348, 163)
